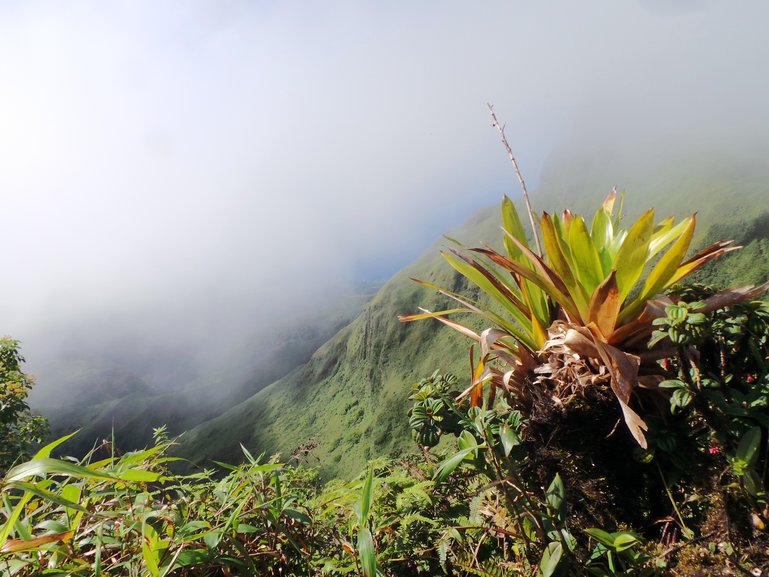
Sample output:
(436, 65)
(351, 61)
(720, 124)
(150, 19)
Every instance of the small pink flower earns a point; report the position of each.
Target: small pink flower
(751, 378)
(714, 450)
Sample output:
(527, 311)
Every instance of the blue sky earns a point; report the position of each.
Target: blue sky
(230, 159)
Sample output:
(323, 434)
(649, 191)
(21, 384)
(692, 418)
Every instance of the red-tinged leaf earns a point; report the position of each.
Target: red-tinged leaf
(698, 261)
(19, 545)
(608, 202)
(490, 284)
(472, 305)
(731, 297)
(640, 326)
(539, 266)
(566, 217)
(555, 289)
(623, 369)
(605, 306)
(522, 335)
(715, 247)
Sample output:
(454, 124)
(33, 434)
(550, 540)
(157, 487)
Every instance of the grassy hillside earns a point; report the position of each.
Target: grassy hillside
(350, 397)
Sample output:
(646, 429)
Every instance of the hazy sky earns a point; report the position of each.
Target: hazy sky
(193, 160)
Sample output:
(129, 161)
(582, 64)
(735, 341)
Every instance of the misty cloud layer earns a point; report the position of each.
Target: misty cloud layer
(174, 169)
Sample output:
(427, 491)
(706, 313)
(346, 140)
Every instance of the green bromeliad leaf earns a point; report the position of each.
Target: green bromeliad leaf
(512, 224)
(585, 259)
(633, 254)
(602, 235)
(662, 273)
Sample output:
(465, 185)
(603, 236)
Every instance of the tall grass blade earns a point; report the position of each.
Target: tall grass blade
(49, 466)
(366, 497)
(366, 552)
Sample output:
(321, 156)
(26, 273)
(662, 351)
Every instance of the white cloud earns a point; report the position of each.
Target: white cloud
(168, 156)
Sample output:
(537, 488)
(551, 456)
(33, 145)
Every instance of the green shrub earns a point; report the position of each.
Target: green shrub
(20, 429)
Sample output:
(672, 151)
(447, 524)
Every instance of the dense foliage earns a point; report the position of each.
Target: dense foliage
(529, 470)
(19, 427)
(573, 330)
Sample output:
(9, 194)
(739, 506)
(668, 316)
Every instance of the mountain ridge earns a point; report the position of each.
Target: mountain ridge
(351, 397)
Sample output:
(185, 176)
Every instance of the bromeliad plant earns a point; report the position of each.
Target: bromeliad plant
(581, 314)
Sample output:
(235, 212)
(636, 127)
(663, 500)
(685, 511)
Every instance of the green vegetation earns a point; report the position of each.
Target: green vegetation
(20, 429)
(582, 302)
(607, 429)
(590, 327)
(502, 502)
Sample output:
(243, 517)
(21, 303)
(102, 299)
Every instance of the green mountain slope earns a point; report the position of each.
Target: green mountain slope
(351, 397)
